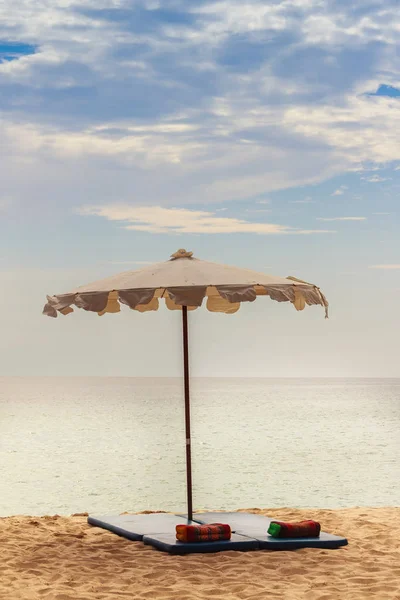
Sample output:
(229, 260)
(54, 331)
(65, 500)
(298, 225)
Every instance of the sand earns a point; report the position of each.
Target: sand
(63, 558)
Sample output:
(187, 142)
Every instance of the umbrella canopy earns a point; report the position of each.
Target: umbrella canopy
(183, 283)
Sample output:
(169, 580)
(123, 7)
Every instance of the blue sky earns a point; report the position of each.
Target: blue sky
(259, 134)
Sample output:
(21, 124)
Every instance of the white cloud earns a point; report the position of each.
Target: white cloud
(381, 213)
(375, 179)
(377, 120)
(318, 22)
(189, 166)
(366, 168)
(188, 148)
(385, 267)
(249, 16)
(339, 191)
(336, 25)
(341, 218)
(307, 200)
(156, 219)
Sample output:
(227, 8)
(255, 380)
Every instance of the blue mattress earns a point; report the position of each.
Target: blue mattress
(158, 530)
(134, 527)
(168, 543)
(256, 526)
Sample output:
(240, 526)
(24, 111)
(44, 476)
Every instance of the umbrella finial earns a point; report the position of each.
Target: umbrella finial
(181, 254)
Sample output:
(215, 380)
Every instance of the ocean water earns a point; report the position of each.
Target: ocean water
(118, 444)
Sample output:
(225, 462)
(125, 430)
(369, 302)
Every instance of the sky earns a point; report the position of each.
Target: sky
(262, 134)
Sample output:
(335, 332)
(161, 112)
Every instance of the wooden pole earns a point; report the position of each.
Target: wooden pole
(187, 412)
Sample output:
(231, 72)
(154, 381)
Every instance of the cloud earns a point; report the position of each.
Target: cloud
(187, 165)
(366, 168)
(307, 200)
(360, 129)
(375, 179)
(156, 219)
(385, 267)
(381, 213)
(341, 218)
(204, 101)
(340, 191)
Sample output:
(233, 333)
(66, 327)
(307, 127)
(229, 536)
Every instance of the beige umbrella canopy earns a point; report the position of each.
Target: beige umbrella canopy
(183, 283)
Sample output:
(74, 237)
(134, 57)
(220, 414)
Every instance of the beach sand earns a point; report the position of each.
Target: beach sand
(63, 558)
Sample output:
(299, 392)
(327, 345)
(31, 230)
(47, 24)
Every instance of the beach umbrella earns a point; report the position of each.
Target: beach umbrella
(183, 283)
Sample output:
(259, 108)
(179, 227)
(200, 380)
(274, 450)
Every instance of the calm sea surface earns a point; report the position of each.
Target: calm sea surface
(118, 444)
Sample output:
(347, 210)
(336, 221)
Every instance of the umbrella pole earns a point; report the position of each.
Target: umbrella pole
(187, 412)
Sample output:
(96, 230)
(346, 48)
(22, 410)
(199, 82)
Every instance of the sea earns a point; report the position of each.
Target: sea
(109, 445)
